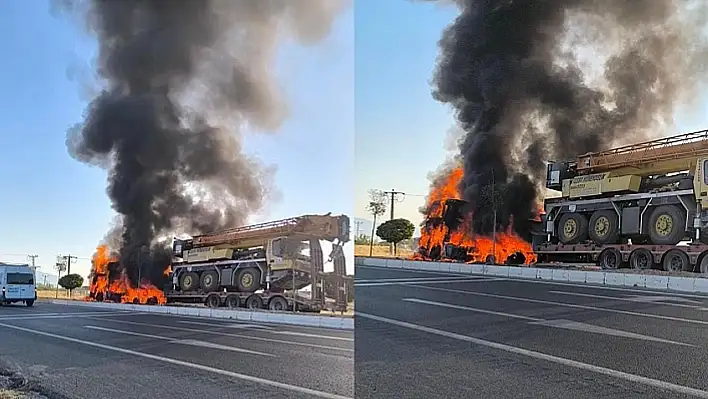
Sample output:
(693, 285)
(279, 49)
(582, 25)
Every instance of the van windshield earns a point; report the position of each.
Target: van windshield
(20, 278)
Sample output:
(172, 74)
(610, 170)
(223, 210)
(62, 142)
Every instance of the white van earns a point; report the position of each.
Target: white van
(17, 284)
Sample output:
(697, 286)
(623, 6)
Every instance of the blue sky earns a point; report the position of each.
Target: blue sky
(52, 204)
(401, 131)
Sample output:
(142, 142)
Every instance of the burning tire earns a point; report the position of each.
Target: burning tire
(248, 280)
(604, 227)
(572, 228)
(278, 304)
(189, 281)
(209, 281)
(666, 225)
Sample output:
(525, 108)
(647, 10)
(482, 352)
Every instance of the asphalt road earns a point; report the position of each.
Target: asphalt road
(80, 352)
(425, 335)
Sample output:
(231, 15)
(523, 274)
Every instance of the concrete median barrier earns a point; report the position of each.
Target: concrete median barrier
(615, 279)
(341, 323)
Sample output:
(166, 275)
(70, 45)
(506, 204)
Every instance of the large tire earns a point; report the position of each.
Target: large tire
(189, 282)
(604, 227)
(610, 259)
(641, 259)
(254, 302)
(676, 260)
(212, 301)
(704, 264)
(209, 281)
(232, 301)
(572, 228)
(666, 225)
(248, 280)
(278, 304)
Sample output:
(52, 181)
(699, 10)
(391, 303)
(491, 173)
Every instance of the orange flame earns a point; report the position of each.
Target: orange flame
(478, 247)
(101, 288)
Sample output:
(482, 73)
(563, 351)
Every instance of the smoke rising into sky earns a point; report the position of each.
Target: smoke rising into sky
(180, 82)
(516, 75)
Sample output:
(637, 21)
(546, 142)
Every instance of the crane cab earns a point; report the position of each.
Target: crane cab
(700, 183)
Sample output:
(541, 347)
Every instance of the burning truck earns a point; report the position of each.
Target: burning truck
(447, 234)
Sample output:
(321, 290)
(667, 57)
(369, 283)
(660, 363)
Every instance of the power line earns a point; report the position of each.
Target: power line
(68, 259)
(393, 193)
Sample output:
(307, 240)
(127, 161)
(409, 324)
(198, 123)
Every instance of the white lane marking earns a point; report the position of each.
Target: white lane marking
(650, 298)
(523, 280)
(569, 305)
(658, 300)
(268, 330)
(263, 381)
(591, 328)
(135, 323)
(191, 342)
(232, 325)
(460, 307)
(542, 356)
(560, 323)
(205, 344)
(415, 282)
(62, 315)
(408, 279)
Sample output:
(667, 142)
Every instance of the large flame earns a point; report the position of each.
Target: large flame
(435, 234)
(103, 286)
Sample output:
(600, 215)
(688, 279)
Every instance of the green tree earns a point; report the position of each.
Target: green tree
(71, 282)
(395, 231)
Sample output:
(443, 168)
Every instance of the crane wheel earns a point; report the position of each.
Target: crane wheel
(209, 281)
(189, 281)
(278, 304)
(254, 302)
(248, 280)
(604, 227)
(676, 260)
(666, 225)
(641, 259)
(572, 228)
(610, 258)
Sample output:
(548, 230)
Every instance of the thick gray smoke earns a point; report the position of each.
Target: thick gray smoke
(181, 79)
(515, 72)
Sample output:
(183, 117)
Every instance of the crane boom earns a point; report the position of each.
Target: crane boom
(324, 227)
(665, 155)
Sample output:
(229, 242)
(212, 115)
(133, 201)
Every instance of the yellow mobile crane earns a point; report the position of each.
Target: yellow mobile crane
(254, 265)
(632, 204)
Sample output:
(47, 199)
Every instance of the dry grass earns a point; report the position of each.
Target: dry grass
(61, 294)
(11, 394)
(383, 251)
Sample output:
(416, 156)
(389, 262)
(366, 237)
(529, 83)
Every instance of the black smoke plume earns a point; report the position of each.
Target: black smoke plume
(515, 73)
(180, 81)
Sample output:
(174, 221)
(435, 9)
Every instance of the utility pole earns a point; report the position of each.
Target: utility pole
(358, 225)
(34, 268)
(393, 194)
(494, 231)
(68, 259)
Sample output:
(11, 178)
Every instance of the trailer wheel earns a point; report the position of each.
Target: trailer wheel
(254, 302)
(610, 258)
(233, 301)
(189, 282)
(641, 259)
(704, 263)
(604, 227)
(209, 281)
(572, 228)
(278, 304)
(676, 260)
(248, 280)
(666, 225)
(212, 301)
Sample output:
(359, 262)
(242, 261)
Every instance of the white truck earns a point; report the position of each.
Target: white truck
(17, 284)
